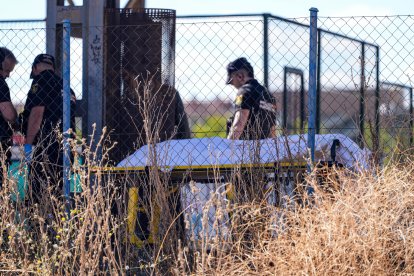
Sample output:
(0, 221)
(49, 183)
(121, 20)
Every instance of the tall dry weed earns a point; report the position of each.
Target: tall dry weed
(364, 227)
(41, 237)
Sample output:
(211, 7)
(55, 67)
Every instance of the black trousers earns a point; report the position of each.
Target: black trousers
(5, 153)
(46, 172)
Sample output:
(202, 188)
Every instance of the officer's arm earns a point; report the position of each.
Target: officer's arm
(34, 123)
(8, 112)
(239, 123)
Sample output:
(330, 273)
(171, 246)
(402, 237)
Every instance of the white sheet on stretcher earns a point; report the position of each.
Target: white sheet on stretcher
(220, 151)
(197, 198)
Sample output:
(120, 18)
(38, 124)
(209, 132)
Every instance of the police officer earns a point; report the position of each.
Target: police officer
(8, 113)
(42, 124)
(255, 115)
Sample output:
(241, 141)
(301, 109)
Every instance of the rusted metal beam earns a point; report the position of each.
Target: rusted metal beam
(135, 4)
(94, 69)
(73, 13)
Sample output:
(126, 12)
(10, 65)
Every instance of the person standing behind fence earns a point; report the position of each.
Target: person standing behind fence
(8, 112)
(42, 124)
(255, 115)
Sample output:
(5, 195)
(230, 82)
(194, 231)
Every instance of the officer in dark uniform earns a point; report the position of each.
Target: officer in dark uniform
(8, 113)
(255, 115)
(42, 123)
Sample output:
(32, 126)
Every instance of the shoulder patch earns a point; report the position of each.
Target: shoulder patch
(238, 100)
(34, 88)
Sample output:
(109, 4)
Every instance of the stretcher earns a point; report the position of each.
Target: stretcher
(282, 161)
(281, 178)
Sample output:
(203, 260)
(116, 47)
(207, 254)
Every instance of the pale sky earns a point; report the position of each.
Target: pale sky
(36, 9)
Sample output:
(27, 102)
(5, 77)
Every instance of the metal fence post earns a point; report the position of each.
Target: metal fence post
(411, 117)
(362, 99)
(313, 45)
(266, 50)
(318, 86)
(66, 107)
(377, 102)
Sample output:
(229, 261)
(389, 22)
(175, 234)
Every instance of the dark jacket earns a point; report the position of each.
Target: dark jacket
(261, 104)
(47, 91)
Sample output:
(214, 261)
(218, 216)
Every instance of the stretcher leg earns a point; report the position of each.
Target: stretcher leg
(133, 209)
(155, 218)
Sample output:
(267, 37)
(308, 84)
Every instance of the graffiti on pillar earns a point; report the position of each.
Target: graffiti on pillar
(96, 50)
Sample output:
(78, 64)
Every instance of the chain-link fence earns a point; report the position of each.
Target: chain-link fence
(163, 79)
(363, 79)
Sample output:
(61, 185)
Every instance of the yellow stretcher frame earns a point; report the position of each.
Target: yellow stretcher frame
(294, 164)
(176, 174)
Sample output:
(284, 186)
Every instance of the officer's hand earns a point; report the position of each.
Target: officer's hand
(28, 149)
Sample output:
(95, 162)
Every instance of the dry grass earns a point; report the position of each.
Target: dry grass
(42, 238)
(363, 228)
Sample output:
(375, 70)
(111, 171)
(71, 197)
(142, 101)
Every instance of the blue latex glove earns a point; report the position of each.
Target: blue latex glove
(28, 148)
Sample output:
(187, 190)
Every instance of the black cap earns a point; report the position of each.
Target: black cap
(43, 58)
(238, 64)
